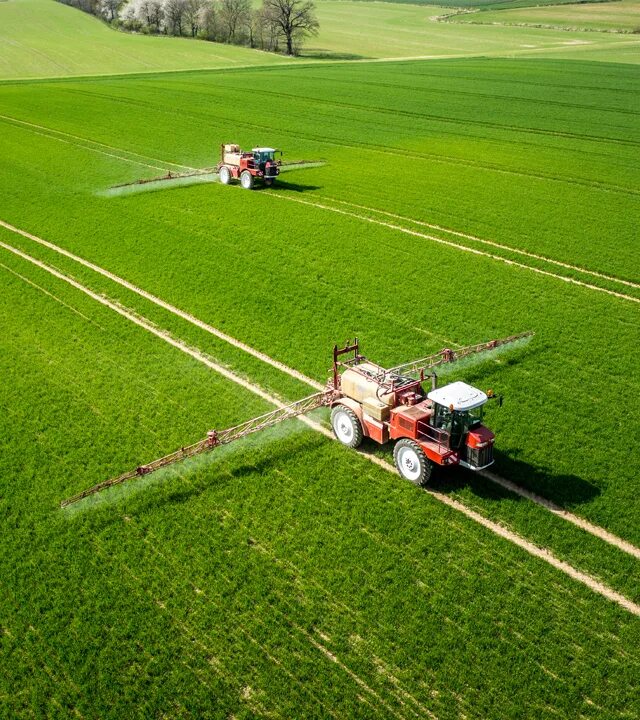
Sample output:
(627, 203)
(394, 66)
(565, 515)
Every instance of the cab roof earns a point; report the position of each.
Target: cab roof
(460, 395)
(263, 150)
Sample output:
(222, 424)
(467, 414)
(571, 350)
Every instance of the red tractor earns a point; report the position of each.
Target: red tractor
(259, 164)
(440, 427)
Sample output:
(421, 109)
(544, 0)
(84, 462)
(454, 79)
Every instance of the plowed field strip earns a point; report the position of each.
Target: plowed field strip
(543, 554)
(491, 243)
(458, 246)
(595, 530)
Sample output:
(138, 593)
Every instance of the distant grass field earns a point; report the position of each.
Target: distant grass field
(477, 3)
(288, 576)
(378, 30)
(43, 38)
(623, 15)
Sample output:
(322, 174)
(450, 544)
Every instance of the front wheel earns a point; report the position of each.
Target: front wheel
(268, 182)
(225, 175)
(246, 180)
(411, 462)
(346, 426)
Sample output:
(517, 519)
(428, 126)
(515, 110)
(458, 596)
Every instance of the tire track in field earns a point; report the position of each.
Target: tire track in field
(46, 292)
(170, 308)
(549, 505)
(543, 554)
(372, 147)
(49, 136)
(51, 133)
(491, 243)
(458, 246)
(595, 530)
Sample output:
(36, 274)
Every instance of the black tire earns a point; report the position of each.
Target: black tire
(411, 462)
(268, 182)
(346, 426)
(225, 175)
(246, 180)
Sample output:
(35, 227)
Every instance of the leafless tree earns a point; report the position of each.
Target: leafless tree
(174, 11)
(295, 19)
(192, 15)
(151, 13)
(235, 15)
(263, 32)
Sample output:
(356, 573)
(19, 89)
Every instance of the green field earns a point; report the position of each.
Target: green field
(390, 30)
(286, 575)
(43, 38)
(619, 16)
(445, 202)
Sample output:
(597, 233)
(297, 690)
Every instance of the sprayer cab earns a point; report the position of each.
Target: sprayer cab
(458, 410)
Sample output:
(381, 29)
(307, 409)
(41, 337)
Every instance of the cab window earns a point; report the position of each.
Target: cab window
(442, 417)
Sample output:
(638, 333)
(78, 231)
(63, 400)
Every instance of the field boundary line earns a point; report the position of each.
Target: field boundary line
(543, 554)
(491, 243)
(458, 246)
(585, 525)
(170, 308)
(52, 132)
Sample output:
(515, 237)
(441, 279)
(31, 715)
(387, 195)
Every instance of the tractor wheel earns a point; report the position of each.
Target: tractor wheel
(246, 180)
(268, 182)
(225, 175)
(346, 426)
(411, 462)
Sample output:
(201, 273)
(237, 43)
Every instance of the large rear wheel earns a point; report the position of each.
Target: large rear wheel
(246, 180)
(346, 426)
(411, 462)
(225, 175)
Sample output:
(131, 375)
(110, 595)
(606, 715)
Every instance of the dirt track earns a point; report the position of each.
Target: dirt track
(542, 554)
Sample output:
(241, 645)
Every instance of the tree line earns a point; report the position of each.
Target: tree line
(276, 26)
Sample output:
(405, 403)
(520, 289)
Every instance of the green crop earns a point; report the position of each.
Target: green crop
(286, 575)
